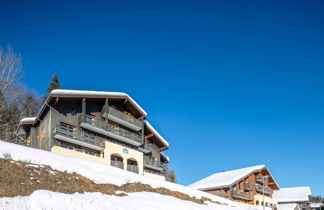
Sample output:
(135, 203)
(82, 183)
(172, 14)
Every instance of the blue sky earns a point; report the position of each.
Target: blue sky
(230, 84)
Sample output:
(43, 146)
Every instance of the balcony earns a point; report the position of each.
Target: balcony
(117, 164)
(111, 131)
(260, 180)
(153, 164)
(248, 186)
(132, 168)
(146, 148)
(241, 195)
(61, 132)
(267, 190)
(123, 119)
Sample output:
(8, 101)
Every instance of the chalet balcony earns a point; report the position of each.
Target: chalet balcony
(153, 164)
(241, 195)
(123, 119)
(111, 131)
(118, 164)
(248, 186)
(260, 180)
(61, 132)
(133, 168)
(267, 190)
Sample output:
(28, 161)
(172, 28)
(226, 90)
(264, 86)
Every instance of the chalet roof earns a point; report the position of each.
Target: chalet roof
(225, 179)
(293, 194)
(96, 93)
(150, 127)
(28, 120)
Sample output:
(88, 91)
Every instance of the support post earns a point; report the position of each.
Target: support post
(84, 108)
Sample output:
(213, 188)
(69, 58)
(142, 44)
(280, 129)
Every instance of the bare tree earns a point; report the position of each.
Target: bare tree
(10, 68)
(16, 100)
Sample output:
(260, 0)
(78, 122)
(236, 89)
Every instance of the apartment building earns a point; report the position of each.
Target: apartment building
(107, 127)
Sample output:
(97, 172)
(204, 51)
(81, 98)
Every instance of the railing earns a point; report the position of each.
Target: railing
(241, 195)
(117, 164)
(260, 180)
(123, 116)
(154, 163)
(146, 147)
(79, 136)
(267, 190)
(248, 186)
(132, 168)
(111, 128)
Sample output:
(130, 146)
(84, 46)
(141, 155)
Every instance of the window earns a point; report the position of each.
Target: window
(63, 146)
(71, 147)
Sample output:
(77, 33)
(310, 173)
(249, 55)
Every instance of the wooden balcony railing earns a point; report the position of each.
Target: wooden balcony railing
(241, 195)
(61, 132)
(112, 131)
(248, 186)
(153, 164)
(267, 190)
(126, 118)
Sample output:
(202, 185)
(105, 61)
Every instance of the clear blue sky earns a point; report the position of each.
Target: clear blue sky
(230, 84)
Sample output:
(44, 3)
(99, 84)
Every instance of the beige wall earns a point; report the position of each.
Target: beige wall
(112, 148)
(155, 176)
(76, 154)
(266, 200)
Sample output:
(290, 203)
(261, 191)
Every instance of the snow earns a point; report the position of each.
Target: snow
(287, 206)
(28, 120)
(99, 173)
(292, 194)
(43, 199)
(156, 133)
(96, 93)
(223, 179)
(316, 205)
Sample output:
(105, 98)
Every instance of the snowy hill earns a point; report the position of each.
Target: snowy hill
(101, 174)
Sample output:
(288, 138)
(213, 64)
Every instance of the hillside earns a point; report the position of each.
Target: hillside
(36, 179)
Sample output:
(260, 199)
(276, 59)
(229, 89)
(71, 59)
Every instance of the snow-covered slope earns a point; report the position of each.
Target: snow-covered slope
(43, 199)
(101, 173)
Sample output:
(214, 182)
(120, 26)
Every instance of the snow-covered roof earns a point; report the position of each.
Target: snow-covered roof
(165, 156)
(225, 179)
(292, 194)
(316, 205)
(28, 120)
(97, 93)
(156, 133)
(288, 206)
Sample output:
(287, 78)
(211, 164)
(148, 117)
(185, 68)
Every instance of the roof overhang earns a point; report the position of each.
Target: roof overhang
(157, 136)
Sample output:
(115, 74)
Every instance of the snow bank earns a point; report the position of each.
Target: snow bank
(99, 173)
(43, 199)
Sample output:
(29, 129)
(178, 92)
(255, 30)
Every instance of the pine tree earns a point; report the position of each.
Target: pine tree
(55, 84)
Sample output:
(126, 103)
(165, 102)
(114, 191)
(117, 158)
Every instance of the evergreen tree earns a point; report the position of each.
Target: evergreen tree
(55, 84)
